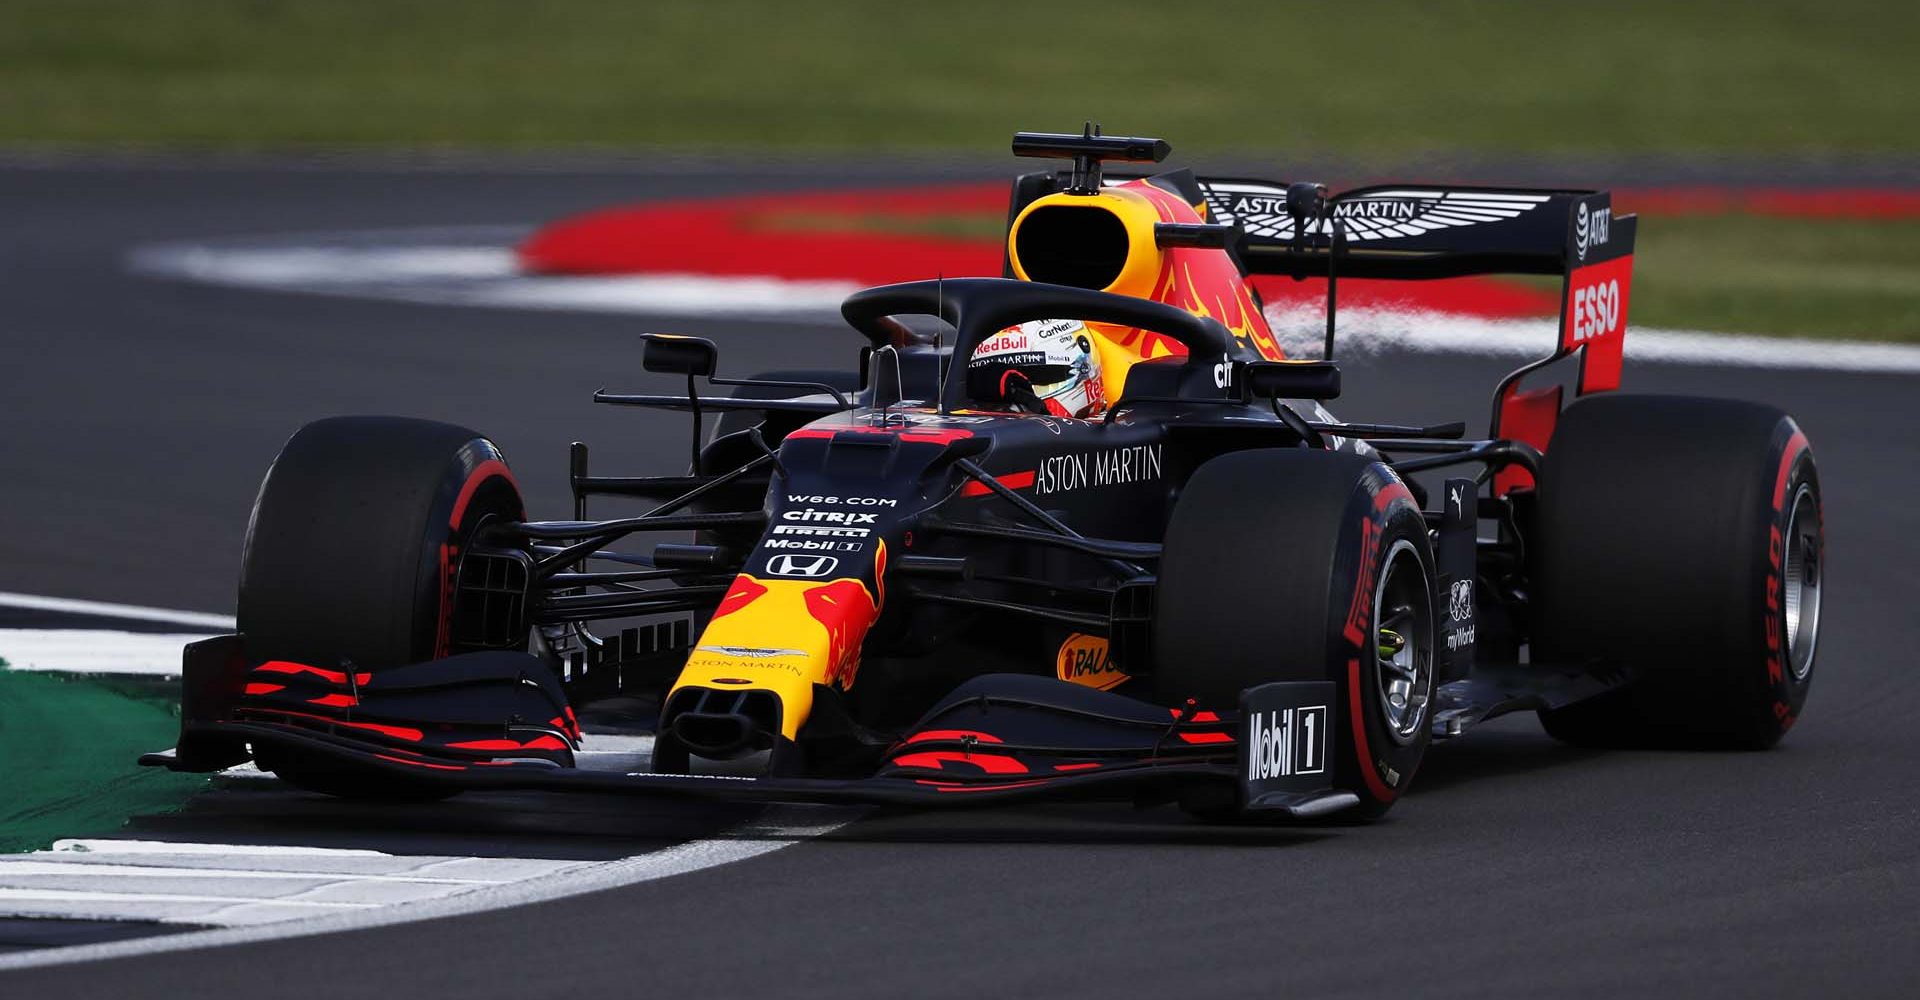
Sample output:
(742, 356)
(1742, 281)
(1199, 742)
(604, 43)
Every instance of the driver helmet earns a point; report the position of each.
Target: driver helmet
(1044, 366)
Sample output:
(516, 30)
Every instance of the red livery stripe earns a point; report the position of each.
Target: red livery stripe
(952, 734)
(992, 763)
(290, 667)
(1012, 481)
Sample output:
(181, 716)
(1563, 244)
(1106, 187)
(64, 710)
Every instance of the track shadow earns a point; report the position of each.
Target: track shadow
(1497, 751)
(587, 827)
(1080, 823)
(590, 827)
(480, 824)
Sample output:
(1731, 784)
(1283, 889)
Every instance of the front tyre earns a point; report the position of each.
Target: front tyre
(352, 551)
(1299, 565)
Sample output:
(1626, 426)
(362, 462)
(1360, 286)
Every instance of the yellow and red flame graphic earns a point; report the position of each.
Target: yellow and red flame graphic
(1203, 281)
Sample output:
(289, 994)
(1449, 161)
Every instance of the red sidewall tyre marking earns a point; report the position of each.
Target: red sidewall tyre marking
(1779, 680)
(1373, 530)
(492, 468)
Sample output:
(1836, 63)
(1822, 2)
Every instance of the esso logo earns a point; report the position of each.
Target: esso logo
(1596, 310)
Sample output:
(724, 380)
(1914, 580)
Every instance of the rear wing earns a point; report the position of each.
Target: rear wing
(1415, 232)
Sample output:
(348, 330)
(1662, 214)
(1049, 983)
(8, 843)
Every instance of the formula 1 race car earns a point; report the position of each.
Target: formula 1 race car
(930, 581)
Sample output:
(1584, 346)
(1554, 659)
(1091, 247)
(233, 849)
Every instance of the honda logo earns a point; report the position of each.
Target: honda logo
(792, 564)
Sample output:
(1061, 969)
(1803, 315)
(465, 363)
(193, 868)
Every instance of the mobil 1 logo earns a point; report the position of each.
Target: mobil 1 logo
(1286, 737)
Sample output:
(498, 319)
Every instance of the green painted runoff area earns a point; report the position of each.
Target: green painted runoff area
(67, 749)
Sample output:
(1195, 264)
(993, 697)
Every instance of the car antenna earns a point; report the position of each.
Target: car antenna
(940, 312)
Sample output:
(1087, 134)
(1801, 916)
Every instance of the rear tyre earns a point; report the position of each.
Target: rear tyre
(1299, 565)
(351, 553)
(1679, 538)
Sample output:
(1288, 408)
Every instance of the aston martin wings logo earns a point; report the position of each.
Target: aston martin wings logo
(1373, 215)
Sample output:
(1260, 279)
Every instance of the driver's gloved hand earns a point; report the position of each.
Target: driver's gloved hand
(1017, 389)
(1004, 384)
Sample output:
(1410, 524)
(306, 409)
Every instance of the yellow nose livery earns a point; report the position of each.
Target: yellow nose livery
(785, 636)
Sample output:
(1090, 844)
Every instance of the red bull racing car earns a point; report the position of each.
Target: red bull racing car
(1082, 531)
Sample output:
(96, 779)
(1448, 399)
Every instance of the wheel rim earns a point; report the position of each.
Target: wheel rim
(1802, 583)
(1403, 647)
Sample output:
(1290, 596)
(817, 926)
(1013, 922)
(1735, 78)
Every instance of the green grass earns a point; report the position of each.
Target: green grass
(67, 749)
(1799, 277)
(1389, 78)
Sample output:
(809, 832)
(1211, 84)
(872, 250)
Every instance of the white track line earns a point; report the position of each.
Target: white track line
(89, 848)
(199, 620)
(103, 651)
(1366, 330)
(774, 829)
(235, 885)
(94, 651)
(15, 867)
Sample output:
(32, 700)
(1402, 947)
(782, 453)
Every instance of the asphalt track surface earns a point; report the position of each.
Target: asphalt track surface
(136, 416)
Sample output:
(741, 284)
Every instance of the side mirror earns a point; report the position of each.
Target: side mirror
(1293, 379)
(678, 354)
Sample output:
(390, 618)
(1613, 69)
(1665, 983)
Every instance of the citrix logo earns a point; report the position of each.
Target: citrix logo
(1223, 373)
(830, 516)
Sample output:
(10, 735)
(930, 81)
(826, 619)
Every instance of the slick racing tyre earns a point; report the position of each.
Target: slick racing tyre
(1679, 539)
(1305, 565)
(351, 554)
